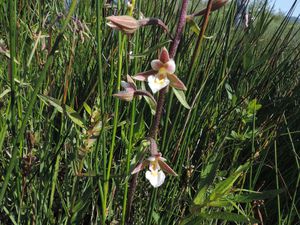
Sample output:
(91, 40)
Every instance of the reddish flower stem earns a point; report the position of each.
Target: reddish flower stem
(160, 104)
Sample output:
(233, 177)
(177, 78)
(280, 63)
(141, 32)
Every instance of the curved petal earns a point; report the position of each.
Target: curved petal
(175, 82)
(140, 167)
(156, 64)
(110, 24)
(144, 75)
(125, 95)
(165, 167)
(156, 84)
(128, 86)
(130, 81)
(124, 84)
(170, 66)
(164, 55)
(155, 177)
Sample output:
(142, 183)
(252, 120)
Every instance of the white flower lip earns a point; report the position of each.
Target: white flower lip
(156, 84)
(155, 177)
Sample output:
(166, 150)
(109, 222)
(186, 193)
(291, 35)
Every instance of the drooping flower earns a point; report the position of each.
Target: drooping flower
(128, 93)
(155, 174)
(131, 91)
(162, 73)
(127, 24)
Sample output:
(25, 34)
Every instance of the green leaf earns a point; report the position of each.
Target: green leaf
(87, 108)
(223, 216)
(229, 91)
(5, 92)
(207, 178)
(227, 216)
(223, 187)
(248, 57)
(155, 217)
(70, 112)
(253, 106)
(181, 97)
(249, 197)
(194, 27)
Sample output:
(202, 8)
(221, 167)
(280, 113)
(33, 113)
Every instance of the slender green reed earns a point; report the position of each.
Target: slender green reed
(25, 119)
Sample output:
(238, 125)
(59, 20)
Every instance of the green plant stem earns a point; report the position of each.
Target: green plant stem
(129, 150)
(277, 183)
(122, 41)
(293, 205)
(253, 150)
(197, 50)
(102, 105)
(13, 72)
(38, 86)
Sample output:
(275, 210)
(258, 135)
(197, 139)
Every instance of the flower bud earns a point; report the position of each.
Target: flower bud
(127, 24)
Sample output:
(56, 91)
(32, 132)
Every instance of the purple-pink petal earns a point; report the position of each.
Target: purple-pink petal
(140, 167)
(164, 55)
(165, 167)
(156, 64)
(144, 75)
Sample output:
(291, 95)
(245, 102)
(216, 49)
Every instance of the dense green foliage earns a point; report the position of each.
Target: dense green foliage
(236, 150)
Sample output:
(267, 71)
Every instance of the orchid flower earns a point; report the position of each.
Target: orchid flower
(128, 93)
(131, 91)
(162, 73)
(155, 174)
(127, 24)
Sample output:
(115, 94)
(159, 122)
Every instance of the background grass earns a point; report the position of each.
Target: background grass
(73, 71)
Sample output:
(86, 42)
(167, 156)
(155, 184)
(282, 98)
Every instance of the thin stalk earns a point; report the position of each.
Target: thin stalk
(102, 105)
(12, 36)
(33, 98)
(293, 206)
(253, 151)
(133, 110)
(197, 50)
(277, 183)
(151, 206)
(131, 132)
(122, 42)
